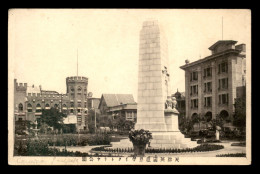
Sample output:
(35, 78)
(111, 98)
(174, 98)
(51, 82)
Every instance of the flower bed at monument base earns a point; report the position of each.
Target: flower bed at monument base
(200, 148)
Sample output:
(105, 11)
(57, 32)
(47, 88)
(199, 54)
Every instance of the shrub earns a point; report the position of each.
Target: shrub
(232, 155)
(200, 148)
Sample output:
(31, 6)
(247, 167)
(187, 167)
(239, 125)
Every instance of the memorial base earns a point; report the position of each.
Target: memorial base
(162, 140)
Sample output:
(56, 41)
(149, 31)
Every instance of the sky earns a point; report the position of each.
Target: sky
(43, 44)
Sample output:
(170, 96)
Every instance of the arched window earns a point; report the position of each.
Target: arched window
(71, 111)
(195, 118)
(79, 89)
(56, 106)
(38, 108)
(224, 114)
(20, 107)
(47, 105)
(208, 116)
(64, 105)
(29, 107)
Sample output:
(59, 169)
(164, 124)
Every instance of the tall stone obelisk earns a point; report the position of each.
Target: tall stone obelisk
(153, 78)
(155, 109)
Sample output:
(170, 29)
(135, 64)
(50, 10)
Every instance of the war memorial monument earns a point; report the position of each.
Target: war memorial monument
(156, 110)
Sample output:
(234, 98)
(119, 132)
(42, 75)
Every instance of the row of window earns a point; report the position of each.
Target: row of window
(222, 84)
(223, 99)
(79, 89)
(29, 106)
(222, 68)
(79, 95)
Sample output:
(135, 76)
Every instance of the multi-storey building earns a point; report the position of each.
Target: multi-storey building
(211, 82)
(30, 100)
(113, 106)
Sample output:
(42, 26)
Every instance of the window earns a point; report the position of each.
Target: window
(207, 72)
(47, 105)
(56, 106)
(79, 118)
(194, 103)
(194, 76)
(20, 107)
(78, 110)
(223, 99)
(72, 105)
(209, 87)
(71, 111)
(194, 89)
(79, 89)
(79, 105)
(38, 108)
(223, 67)
(29, 107)
(207, 101)
(223, 83)
(64, 106)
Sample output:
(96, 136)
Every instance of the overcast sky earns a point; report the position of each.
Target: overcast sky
(43, 44)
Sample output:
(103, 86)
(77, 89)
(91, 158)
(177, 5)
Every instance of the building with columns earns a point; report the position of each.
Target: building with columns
(211, 83)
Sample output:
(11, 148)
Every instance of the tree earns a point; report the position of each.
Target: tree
(52, 117)
(240, 112)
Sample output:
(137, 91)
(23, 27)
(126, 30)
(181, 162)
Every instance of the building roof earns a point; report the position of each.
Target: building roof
(117, 99)
(220, 42)
(179, 95)
(213, 56)
(227, 50)
(95, 101)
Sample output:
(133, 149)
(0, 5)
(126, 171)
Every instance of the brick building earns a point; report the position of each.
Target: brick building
(211, 83)
(30, 100)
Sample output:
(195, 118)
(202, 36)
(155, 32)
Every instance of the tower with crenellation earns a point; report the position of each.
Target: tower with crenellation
(77, 94)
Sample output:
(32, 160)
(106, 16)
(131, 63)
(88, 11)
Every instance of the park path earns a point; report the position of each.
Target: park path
(227, 149)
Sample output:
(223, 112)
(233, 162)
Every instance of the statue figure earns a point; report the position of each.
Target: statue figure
(169, 103)
(174, 103)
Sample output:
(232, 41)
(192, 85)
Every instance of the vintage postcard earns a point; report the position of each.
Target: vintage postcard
(129, 87)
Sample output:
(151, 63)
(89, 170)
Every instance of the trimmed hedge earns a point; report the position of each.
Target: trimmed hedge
(41, 148)
(232, 155)
(200, 148)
